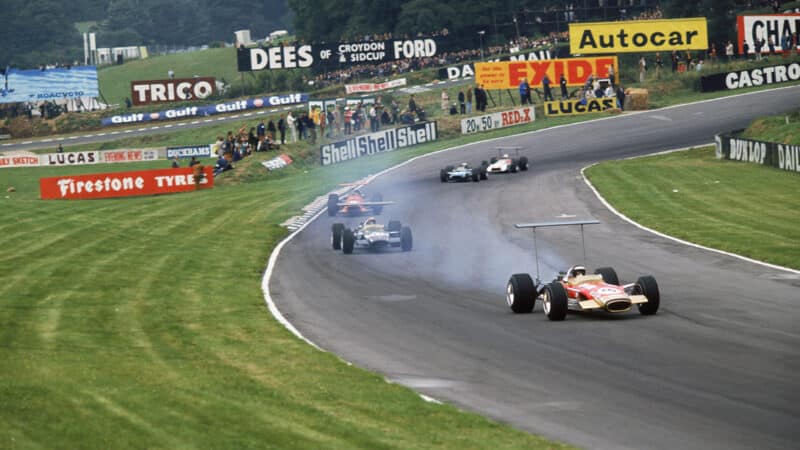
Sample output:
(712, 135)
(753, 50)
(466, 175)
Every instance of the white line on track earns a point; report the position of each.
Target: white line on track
(27, 142)
(7, 145)
(141, 129)
(48, 140)
(101, 134)
(73, 137)
(168, 126)
(195, 122)
(114, 132)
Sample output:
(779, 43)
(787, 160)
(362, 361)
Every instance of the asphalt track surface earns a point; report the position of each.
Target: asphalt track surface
(717, 367)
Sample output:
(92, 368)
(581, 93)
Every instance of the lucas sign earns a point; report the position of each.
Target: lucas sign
(572, 107)
(638, 36)
(508, 74)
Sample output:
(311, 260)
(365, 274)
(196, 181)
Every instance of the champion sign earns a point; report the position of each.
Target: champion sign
(752, 77)
(778, 28)
(209, 110)
(498, 120)
(199, 151)
(124, 184)
(374, 143)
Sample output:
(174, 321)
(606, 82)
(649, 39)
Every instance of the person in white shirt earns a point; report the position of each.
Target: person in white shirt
(291, 123)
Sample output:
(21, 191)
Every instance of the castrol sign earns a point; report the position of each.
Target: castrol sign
(180, 90)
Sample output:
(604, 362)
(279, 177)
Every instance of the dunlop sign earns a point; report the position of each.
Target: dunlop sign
(571, 107)
(781, 156)
(638, 36)
(508, 74)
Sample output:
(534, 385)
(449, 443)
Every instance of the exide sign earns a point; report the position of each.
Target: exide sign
(125, 184)
(160, 91)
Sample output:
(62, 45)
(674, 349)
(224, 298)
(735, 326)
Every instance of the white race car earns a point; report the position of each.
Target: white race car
(371, 235)
(504, 163)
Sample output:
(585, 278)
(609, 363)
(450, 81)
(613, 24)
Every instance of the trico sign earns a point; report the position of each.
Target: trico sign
(160, 91)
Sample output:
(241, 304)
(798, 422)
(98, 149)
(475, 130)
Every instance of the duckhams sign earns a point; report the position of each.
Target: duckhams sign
(125, 184)
(380, 142)
(572, 107)
(508, 74)
(638, 36)
(209, 110)
(752, 77)
(782, 156)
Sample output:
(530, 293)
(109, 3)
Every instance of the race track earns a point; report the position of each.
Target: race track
(716, 368)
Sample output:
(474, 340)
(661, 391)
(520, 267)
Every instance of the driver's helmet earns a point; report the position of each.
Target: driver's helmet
(505, 155)
(464, 165)
(577, 270)
(370, 221)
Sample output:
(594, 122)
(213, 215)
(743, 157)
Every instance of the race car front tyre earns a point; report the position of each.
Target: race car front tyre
(333, 208)
(394, 225)
(443, 175)
(609, 275)
(406, 240)
(348, 241)
(521, 293)
(476, 175)
(523, 163)
(336, 235)
(377, 197)
(554, 301)
(647, 286)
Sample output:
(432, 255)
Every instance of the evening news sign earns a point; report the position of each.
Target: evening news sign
(380, 142)
(124, 184)
(498, 120)
(637, 36)
(509, 74)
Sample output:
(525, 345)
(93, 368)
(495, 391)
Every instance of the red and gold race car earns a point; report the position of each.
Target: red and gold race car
(355, 204)
(575, 290)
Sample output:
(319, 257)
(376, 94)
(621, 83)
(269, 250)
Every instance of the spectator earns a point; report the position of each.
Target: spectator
(675, 60)
(412, 104)
(301, 126)
(621, 97)
(563, 83)
(282, 128)
(291, 123)
(712, 54)
(311, 128)
(222, 165)
(171, 74)
(373, 118)
(462, 102)
(642, 69)
(261, 130)
(729, 51)
(659, 66)
(193, 161)
(548, 95)
(395, 112)
(331, 123)
(60, 149)
(524, 89)
(175, 163)
(746, 50)
(469, 101)
(252, 140)
(271, 129)
(348, 120)
(445, 100)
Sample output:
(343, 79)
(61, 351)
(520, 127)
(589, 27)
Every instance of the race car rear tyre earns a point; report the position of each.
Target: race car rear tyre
(348, 241)
(483, 173)
(336, 235)
(554, 301)
(406, 240)
(333, 200)
(443, 175)
(394, 225)
(513, 167)
(609, 275)
(521, 293)
(523, 163)
(377, 197)
(647, 286)
(476, 175)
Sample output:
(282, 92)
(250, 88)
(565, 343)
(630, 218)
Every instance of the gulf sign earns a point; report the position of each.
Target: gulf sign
(774, 26)
(508, 74)
(162, 91)
(638, 36)
(572, 107)
(124, 184)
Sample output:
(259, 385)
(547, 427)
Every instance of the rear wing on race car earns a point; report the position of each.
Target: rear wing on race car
(507, 150)
(534, 225)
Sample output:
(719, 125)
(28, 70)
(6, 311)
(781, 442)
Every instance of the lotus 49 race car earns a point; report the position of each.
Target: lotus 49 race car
(504, 163)
(462, 172)
(575, 290)
(355, 204)
(371, 235)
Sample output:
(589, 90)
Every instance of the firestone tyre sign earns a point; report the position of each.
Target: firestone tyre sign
(498, 120)
(125, 184)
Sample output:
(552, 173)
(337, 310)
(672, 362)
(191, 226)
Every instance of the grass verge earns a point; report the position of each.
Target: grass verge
(742, 208)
